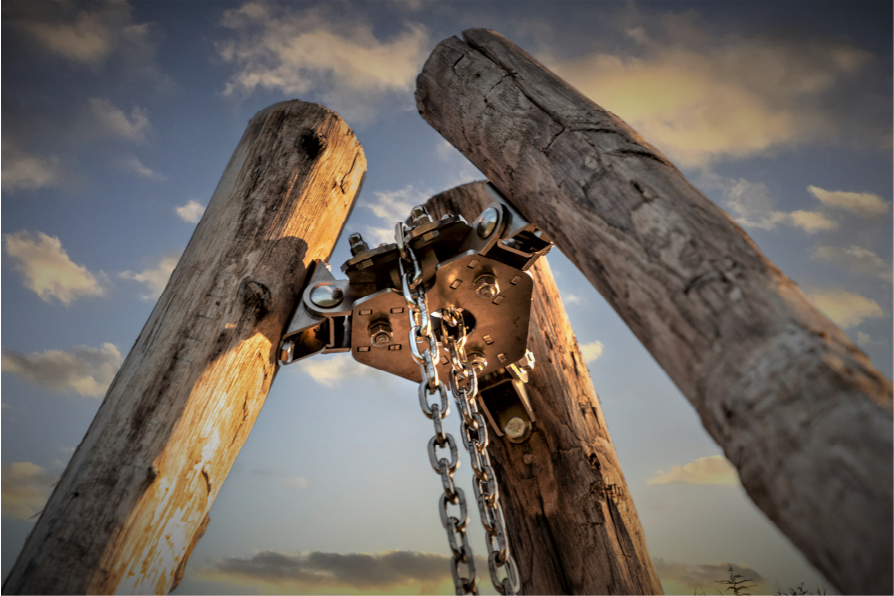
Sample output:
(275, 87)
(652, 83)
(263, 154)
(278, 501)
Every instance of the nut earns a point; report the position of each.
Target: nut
(527, 361)
(477, 361)
(357, 244)
(486, 286)
(419, 215)
(380, 334)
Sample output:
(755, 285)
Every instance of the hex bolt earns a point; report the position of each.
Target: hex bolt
(526, 362)
(486, 286)
(517, 429)
(477, 361)
(380, 334)
(357, 244)
(285, 354)
(487, 222)
(419, 214)
(326, 295)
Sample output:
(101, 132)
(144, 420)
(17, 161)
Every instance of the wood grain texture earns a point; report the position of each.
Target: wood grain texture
(125, 513)
(797, 408)
(573, 528)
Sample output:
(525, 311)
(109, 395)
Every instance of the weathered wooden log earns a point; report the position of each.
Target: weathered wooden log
(125, 513)
(572, 525)
(796, 407)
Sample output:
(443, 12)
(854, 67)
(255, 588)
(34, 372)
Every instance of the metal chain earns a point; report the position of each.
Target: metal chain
(464, 387)
(421, 331)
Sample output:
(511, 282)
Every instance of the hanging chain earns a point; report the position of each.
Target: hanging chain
(421, 331)
(464, 387)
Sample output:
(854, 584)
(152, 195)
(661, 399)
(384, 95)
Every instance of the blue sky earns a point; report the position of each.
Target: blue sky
(119, 118)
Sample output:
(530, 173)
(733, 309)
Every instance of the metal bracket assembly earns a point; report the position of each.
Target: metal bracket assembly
(480, 268)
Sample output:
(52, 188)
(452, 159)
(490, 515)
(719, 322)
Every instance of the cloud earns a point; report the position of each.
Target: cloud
(715, 469)
(321, 50)
(865, 204)
(84, 370)
(318, 572)
(25, 489)
(330, 372)
(81, 35)
(115, 122)
(47, 269)
(392, 207)
(154, 278)
(572, 299)
(191, 212)
(811, 221)
(24, 171)
(752, 206)
(679, 578)
(298, 482)
(395, 206)
(855, 258)
(864, 339)
(844, 308)
(376, 236)
(701, 93)
(134, 165)
(591, 351)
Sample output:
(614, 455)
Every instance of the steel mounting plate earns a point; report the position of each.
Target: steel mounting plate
(499, 324)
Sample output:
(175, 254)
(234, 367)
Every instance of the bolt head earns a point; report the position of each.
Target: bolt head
(487, 222)
(380, 334)
(486, 286)
(326, 295)
(517, 429)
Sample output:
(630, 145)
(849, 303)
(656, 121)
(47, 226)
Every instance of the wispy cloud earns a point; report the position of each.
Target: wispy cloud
(864, 340)
(321, 50)
(572, 298)
(332, 371)
(681, 578)
(702, 93)
(715, 469)
(298, 482)
(844, 308)
(24, 171)
(865, 204)
(47, 269)
(134, 165)
(154, 278)
(319, 572)
(25, 489)
(392, 207)
(752, 206)
(86, 35)
(855, 258)
(115, 122)
(83, 370)
(191, 212)
(591, 351)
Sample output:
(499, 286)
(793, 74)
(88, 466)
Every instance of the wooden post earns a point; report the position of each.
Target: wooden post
(796, 407)
(572, 525)
(134, 499)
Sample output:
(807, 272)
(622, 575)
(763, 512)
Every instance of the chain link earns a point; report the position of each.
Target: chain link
(465, 580)
(463, 384)
(464, 387)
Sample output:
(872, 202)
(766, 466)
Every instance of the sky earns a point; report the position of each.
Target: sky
(119, 117)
